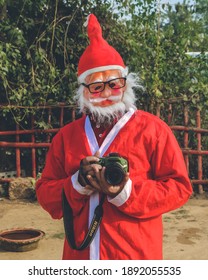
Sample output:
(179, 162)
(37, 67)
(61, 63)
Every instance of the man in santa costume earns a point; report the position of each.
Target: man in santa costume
(130, 224)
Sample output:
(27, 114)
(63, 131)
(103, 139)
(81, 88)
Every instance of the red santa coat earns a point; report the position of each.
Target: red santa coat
(131, 227)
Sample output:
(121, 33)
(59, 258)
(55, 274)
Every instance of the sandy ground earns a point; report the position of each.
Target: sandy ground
(185, 230)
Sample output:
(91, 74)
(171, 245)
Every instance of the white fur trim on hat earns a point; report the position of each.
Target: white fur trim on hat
(82, 77)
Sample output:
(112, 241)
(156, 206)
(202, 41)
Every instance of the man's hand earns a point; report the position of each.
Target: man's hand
(92, 176)
(88, 166)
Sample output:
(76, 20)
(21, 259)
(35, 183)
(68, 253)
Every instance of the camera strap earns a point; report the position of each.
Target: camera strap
(69, 225)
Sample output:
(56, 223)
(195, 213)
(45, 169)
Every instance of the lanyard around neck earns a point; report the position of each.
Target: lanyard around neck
(69, 226)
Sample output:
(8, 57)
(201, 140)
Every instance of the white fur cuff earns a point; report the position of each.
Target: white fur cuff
(123, 196)
(79, 188)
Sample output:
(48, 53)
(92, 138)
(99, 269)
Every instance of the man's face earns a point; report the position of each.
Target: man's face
(106, 94)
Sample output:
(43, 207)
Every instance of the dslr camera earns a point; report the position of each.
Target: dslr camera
(116, 167)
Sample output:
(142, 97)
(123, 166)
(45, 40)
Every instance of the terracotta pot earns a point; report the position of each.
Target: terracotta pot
(20, 239)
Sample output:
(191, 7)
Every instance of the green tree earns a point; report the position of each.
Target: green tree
(41, 42)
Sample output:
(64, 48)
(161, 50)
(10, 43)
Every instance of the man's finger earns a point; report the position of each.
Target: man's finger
(88, 160)
(96, 167)
(97, 154)
(93, 183)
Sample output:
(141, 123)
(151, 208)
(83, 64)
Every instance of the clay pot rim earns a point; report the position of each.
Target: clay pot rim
(19, 230)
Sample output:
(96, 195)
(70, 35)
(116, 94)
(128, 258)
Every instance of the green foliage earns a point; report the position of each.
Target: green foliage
(160, 36)
(39, 51)
(41, 42)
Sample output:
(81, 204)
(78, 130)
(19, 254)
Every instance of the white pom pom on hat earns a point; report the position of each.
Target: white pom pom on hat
(99, 55)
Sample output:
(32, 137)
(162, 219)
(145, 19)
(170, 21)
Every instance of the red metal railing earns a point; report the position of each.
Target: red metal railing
(35, 143)
(187, 151)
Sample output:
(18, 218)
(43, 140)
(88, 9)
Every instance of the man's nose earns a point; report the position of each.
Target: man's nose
(106, 92)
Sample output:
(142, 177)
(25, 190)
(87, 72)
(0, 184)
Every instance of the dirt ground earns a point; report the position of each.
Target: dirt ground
(185, 230)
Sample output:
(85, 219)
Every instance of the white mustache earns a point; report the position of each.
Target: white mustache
(100, 99)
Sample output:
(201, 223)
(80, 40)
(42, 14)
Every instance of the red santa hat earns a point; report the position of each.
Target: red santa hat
(99, 55)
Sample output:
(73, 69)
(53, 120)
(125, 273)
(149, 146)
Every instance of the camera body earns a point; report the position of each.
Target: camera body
(116, 167)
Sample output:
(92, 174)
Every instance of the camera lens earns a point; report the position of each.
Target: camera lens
(114, 175)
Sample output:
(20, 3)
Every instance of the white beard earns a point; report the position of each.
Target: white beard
(103, 115)
(109, 113)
